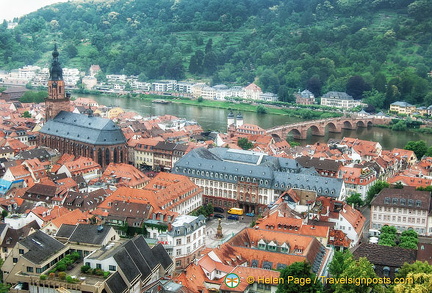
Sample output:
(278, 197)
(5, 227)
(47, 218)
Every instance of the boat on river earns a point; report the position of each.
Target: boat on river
(159, 101)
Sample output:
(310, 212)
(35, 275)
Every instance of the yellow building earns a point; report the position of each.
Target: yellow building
(402, 108)
(114, 112)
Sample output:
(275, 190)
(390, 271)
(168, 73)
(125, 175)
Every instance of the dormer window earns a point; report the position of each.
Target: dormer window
(262, 244)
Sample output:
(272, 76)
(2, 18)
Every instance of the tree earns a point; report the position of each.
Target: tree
(419, 147)
(408, 239)
(196, 62)
(205, 210)
(356, 86)
(417, 267)
(387, 239)
(380, 82)
(398, 185)
(355, 199)
(26, 114)
(420, 9)
(209, 46)
(33, 97)
(374, 98)
(210, 62)
(71, 51)
(298, 270)
(244, 143)
(358, 269)
(261, 110)
(388, 230)
(421, 283)
(399, 126)
(4, 288)
(429, 152)
(375, 189)
(314, 85)
(340, 263)
(101, 77)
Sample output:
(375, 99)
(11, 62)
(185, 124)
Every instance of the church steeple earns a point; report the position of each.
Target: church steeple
(56, 72)
(57, 99)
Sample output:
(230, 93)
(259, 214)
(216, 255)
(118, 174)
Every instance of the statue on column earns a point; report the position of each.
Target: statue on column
(219, 234)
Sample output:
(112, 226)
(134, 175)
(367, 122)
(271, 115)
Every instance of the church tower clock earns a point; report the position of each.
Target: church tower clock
(57, 99)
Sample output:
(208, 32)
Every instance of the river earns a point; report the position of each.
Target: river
(215, 119)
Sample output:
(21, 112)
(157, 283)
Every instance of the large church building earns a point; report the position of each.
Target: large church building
(78, 134)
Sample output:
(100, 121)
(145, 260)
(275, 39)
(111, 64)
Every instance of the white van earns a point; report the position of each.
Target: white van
(373, 240)
(374, 233)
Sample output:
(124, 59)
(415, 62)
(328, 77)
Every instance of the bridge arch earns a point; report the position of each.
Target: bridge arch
(347, 125)
(332, 127)
(295, 133)
(360, 124)
(369, 124)
(315, 130)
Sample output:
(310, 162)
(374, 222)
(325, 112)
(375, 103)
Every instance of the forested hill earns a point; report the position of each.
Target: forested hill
(379, 46)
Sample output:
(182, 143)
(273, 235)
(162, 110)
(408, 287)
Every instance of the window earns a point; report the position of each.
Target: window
(21, 251)
(98, 266)
(178, 241)
(15, 260)
(29, 269)
(178, 252)
(112, 268)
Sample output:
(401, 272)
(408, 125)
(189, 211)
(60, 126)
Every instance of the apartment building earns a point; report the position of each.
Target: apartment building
(405, 208)
(250, 180)
(184, 239)
(339, 100)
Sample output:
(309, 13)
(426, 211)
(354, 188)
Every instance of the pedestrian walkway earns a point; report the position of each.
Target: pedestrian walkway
(229, 229)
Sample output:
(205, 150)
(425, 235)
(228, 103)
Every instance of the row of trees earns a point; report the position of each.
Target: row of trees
(407, 239)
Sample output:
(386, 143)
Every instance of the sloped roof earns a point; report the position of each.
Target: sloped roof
(127, 265)
(88, 129)
(162, 255)
(40, 246)
(269, 172)
(116, 283)
(90, 234)
(385, 255)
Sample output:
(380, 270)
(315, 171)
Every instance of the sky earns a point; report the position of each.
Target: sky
(17, 8)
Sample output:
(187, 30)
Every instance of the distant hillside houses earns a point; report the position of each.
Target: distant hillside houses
(118, 83)
(401, 107)
(305, 98)
(340, 100)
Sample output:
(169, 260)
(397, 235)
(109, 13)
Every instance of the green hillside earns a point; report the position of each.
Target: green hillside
(378, 49)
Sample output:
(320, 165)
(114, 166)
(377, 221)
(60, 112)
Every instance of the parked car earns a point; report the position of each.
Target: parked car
(218, 210)
(220, 216)
(250, 214)
(233, 217)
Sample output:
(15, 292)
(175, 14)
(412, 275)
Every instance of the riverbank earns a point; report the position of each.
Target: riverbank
(215, 119)
(244, 106)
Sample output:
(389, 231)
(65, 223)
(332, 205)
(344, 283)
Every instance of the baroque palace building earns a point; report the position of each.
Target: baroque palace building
(78, 134)
(251, 180)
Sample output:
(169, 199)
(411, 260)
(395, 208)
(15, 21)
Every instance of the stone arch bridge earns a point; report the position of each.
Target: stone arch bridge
(320, 127)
